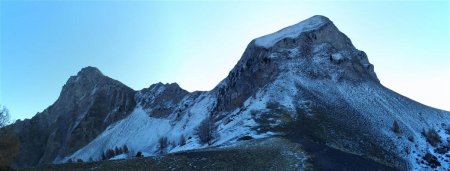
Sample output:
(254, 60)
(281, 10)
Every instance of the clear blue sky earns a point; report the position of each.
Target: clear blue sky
(197, 43)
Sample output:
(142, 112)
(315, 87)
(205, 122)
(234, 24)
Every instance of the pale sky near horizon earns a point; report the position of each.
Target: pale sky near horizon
(197, 43)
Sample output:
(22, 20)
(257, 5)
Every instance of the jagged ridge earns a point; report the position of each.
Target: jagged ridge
(87, 104)
(305, 81)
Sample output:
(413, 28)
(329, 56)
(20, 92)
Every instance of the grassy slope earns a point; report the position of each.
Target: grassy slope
(261, 154)
(258, 154)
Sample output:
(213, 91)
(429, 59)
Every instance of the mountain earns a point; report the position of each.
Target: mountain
(88, 103)
(306, 83)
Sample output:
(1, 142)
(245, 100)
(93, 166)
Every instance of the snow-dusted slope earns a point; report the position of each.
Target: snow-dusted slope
(292, 31)
(307, 80)
(140, 131)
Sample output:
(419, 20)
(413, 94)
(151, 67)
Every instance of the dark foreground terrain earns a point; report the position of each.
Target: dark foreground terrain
(262, 154)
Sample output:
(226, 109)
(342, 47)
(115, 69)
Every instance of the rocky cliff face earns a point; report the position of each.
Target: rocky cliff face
(262, 61)
(161, 99)
(88, 103)
(306, 81)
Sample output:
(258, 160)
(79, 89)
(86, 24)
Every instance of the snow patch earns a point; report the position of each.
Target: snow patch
(138, 131)
(337, 56)
(120, 156)
(292, 31)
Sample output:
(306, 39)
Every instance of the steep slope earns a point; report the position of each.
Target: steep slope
(88, 103)
(305, 83)
(321, 87)
(161, 100)
(156, 115)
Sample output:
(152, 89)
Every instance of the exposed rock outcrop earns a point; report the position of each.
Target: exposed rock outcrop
(316, 36)
(161, 99)
(88, 103)
(306, 81)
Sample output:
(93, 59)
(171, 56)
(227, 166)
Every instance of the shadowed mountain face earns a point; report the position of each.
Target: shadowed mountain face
(306, 82)
(88, 103)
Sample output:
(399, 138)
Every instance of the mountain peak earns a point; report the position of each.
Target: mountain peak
(312, 23)
(88, 79)
(87, 74)
(159, 88)
(89, 70)
(165, 85)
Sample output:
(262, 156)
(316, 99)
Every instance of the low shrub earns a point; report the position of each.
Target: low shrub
(245, 138)
(182, 140)
(432, 137)
(395, 127)
(432, 160)
(139, 154)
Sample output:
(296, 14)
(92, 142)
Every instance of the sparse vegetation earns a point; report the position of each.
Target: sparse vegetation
(256, 154)
(118, 151)
(139, 154)
(125, 149)
(9, 146)
(274, 119)
(103, 157)
(110, 153)
(432, 137)
(442, 149)
(207, 131)
(395, 127)
(245, 138)
(162, 144)
(182, 140)
(432, 160)
(4, 116)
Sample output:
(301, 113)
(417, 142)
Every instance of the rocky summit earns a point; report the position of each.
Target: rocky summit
(88, 103)
(304, 94)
